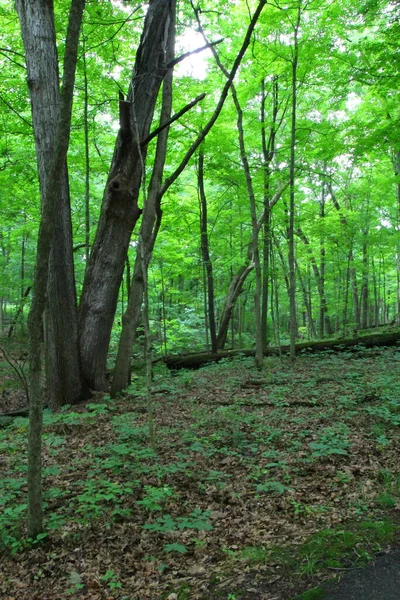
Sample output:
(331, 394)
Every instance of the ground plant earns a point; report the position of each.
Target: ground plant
(251, 490)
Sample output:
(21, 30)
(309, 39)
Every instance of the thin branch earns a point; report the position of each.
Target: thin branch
(197, 51)
(170, 180)
(15, 111)
(174, 118)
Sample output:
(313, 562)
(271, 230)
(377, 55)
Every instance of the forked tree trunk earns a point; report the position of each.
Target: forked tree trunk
(47, 231)
(120, 211)
(151, 221)
(64, 382)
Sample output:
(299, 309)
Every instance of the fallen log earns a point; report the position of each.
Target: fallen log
(194, 361)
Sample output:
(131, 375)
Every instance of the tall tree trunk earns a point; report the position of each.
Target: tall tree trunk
(352, 274)
(250, 192)
(320, 281)
(291, 257)
(62, 352)
(205, 252)
(268, 149)
(396, 166)
(120, 211)
(46, 237)
(87, 158)
(365, 283)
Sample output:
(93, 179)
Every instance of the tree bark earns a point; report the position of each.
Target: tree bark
(205, 252)
(62, 351)
(268, 150)
(150, 225)
(47, 231)
(120, 211)
(291, 257)
(237, 282)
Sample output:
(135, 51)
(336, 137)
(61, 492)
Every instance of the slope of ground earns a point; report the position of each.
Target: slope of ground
(257, 485)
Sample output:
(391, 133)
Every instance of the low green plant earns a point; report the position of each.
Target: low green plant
(155, 498)
(112, 580)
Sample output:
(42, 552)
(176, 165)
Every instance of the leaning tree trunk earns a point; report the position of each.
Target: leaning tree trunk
(62, 352)
(151, 221)
(120, 210)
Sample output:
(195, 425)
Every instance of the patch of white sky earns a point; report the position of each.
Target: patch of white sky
(194, 65)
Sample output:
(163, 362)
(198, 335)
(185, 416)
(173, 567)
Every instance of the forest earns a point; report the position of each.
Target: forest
(199, 296)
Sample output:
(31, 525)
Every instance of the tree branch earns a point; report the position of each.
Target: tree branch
(174, 118)
(197, 51)
(170, 180)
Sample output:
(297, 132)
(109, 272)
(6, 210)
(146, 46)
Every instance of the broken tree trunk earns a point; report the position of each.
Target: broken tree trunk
(120, 210)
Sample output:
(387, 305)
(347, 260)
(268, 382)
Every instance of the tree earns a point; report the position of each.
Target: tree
(61, 331)
(46, 241)
(120, 211)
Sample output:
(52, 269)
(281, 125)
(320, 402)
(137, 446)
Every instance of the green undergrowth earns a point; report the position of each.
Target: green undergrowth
(310, 448)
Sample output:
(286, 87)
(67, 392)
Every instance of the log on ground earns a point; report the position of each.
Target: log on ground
(194, 361)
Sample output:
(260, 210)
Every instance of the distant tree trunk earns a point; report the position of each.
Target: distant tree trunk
(307, 303)
(320, 281)
(365, 283)
(254, 228)
(268, 149)
(62, 352)
(324, 320)
(206, 252)
(352, 274)
(47, 232)
(87, 158)
(239, 278)
(120, 211)
(291, 257)
(396, 166)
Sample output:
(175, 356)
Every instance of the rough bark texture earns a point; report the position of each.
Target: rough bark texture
(150, 225)
(194, 361)
(62, 351)
(52, 192)
(120, 210)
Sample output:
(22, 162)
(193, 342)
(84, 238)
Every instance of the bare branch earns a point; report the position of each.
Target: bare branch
(197, 51)
(174, 118)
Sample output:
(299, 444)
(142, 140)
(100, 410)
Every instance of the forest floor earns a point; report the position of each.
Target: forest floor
(258, 485)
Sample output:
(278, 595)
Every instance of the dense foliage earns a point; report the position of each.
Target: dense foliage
(346, 171)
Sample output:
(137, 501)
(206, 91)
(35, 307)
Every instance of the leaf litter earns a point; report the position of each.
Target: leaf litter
(255, 479)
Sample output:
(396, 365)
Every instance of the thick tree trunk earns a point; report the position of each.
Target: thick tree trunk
(120, 210)
(151, 221)
(50, 207)
(62, 352)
